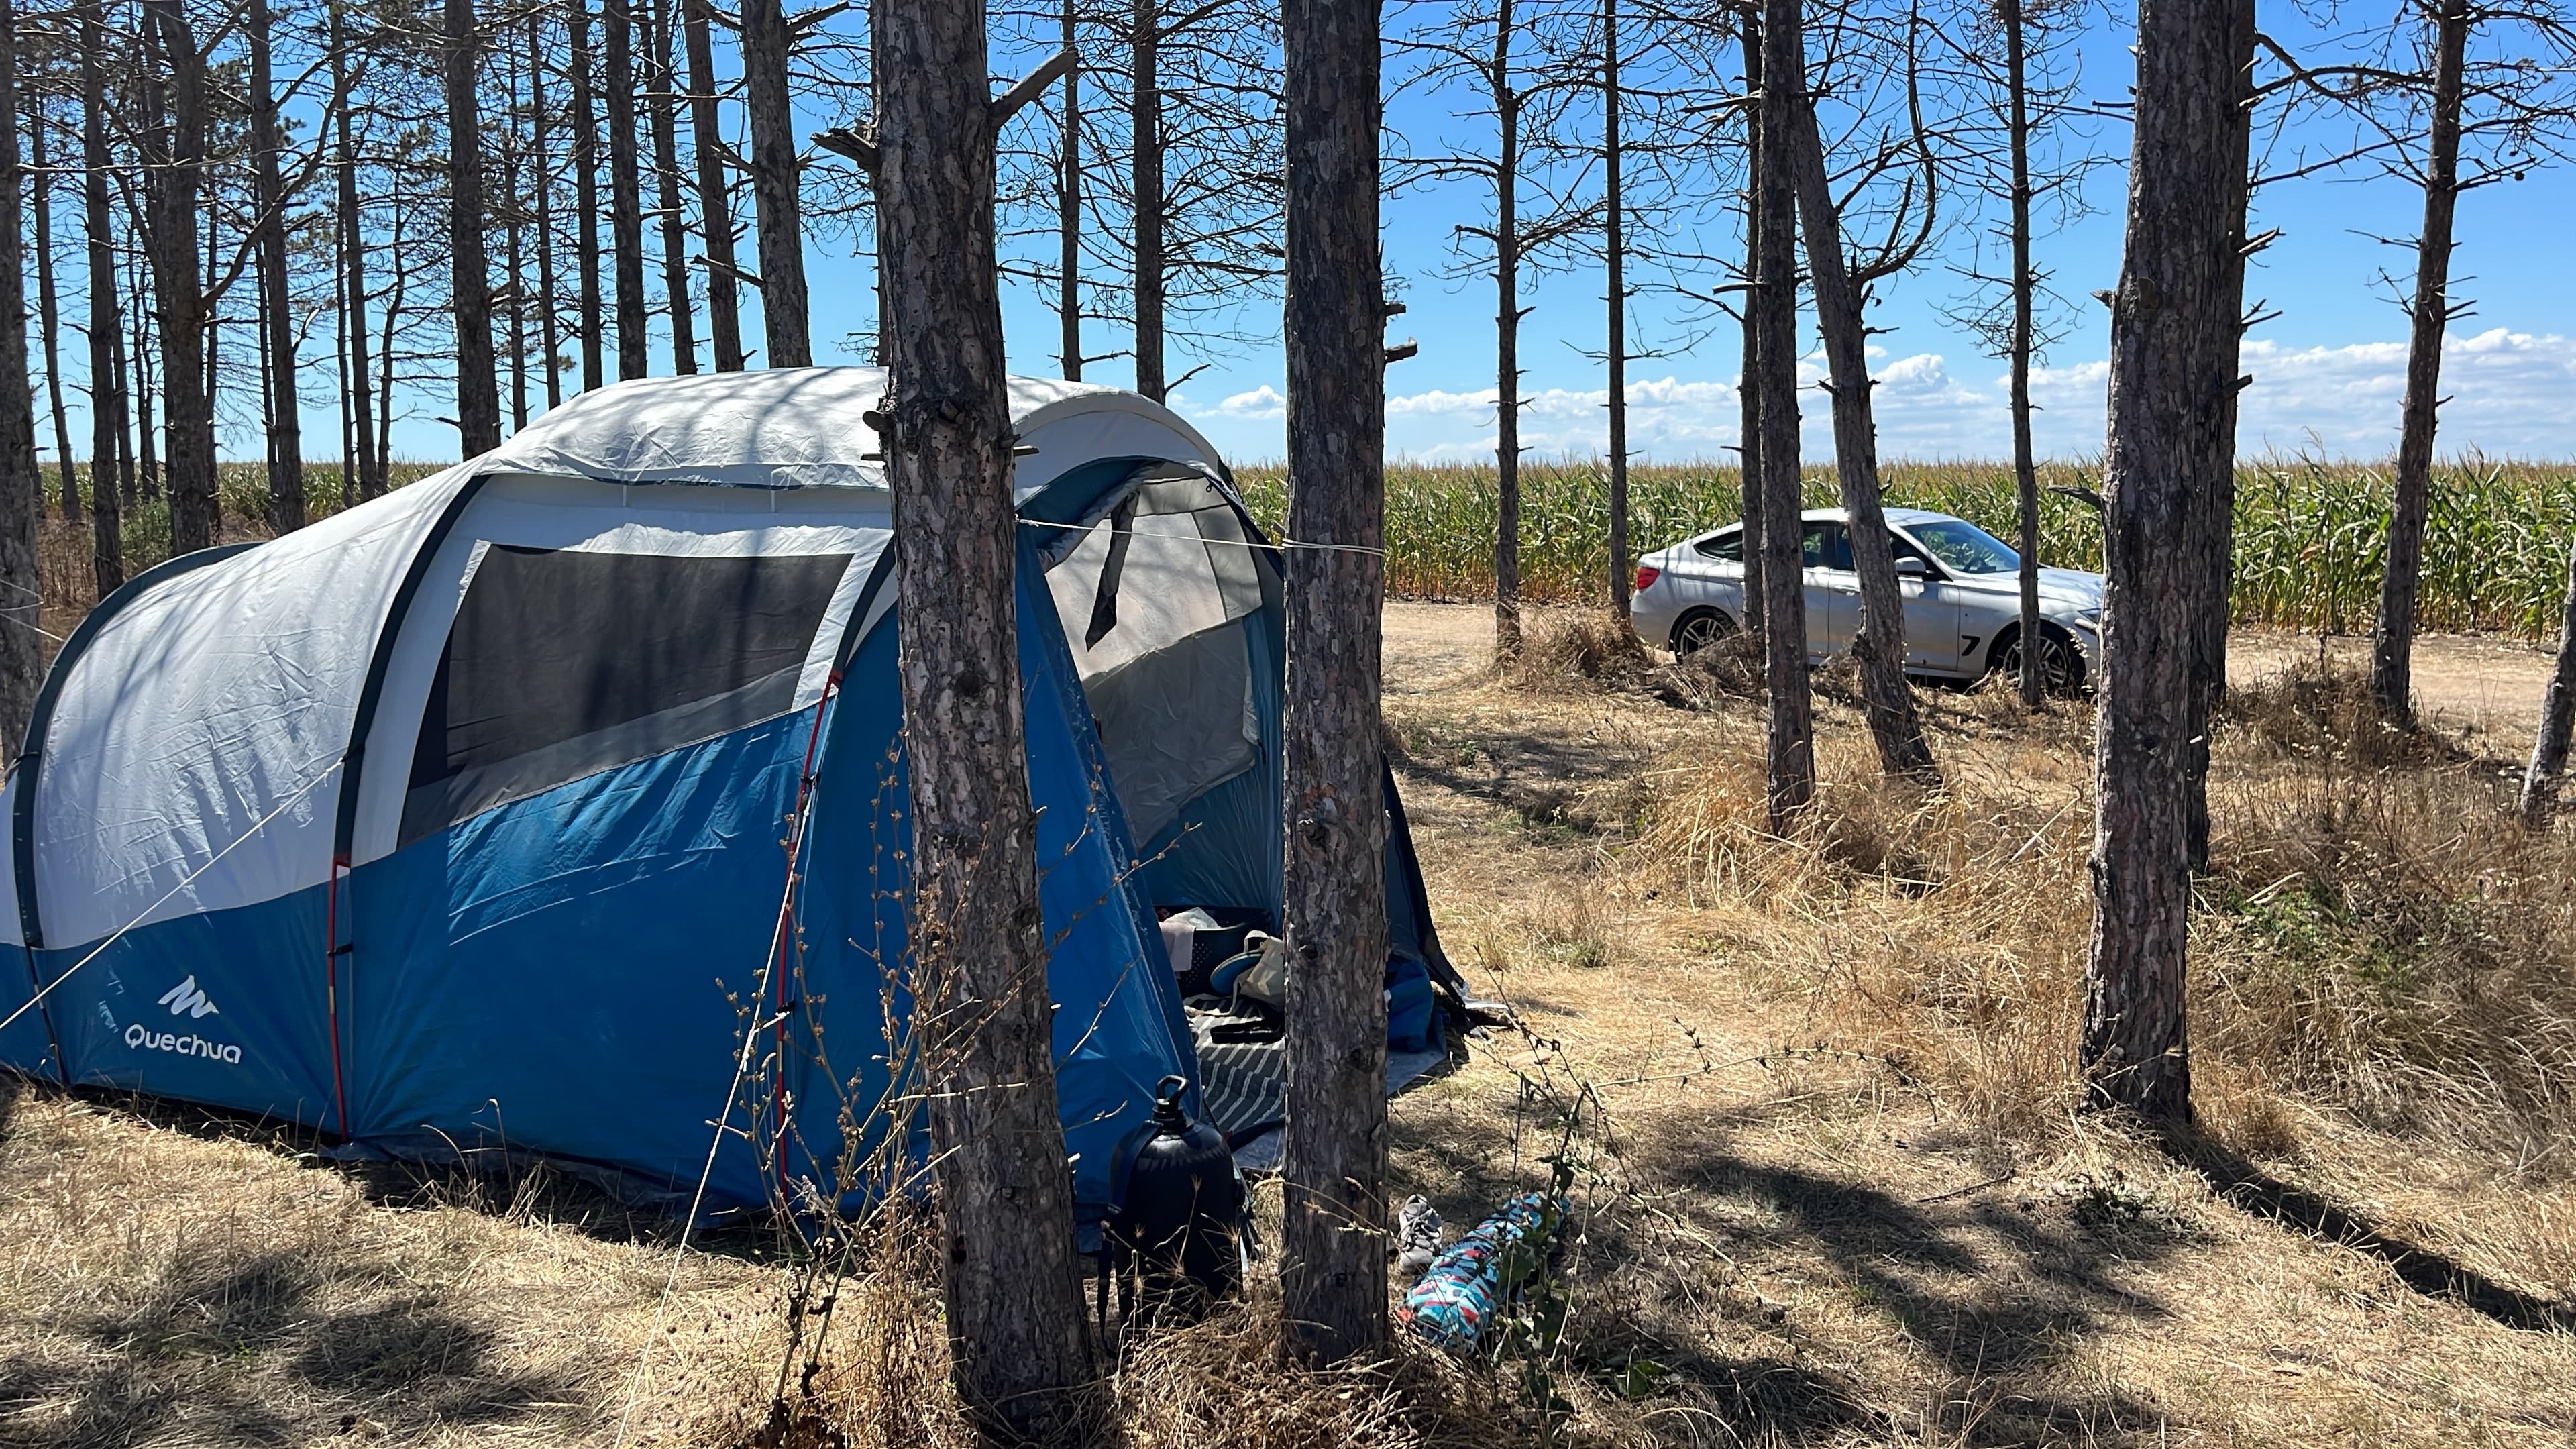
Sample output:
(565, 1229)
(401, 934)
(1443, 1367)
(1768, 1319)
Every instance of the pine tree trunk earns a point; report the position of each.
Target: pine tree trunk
(1333, 1236)
(136, 475)
(285, 426)
(715, 203)
(540, 127)
(625, 196)
(776, 203)
(1145, 150)
(2392, 645)
(22, 480)
(2025, 286)
(1749, 386)
(48, 305)
(400, 290)
(1789, 736)
(340, 362)
(179, 158)
(1614, 261)
(106, 377)
(1021, 1351)
(2174, 331)
(478, 390)
(514, 253)
(666, 173)
(1507, 343)
(585, 172)
(353, 259)
(2212, 541)
(1068, 219)
(1879, 645)
(2557, 714)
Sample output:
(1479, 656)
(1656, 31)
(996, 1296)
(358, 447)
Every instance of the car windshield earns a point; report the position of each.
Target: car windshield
(1965, 547)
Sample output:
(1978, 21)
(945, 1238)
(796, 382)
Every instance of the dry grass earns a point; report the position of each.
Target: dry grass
(175, 1279)
(1847, 1194)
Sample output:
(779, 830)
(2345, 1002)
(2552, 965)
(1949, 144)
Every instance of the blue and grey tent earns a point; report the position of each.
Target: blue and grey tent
(465, 816)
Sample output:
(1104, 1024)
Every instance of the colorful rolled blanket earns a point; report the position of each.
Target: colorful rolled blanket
(1459, 1292)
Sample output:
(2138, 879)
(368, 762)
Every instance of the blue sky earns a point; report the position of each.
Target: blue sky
(2327, 370)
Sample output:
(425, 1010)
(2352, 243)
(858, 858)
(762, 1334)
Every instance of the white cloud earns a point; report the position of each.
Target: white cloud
(2508, 393)
(1264, 401)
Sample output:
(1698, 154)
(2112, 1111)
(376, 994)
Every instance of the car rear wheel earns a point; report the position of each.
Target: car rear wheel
(1699, 629)
(2061, 669)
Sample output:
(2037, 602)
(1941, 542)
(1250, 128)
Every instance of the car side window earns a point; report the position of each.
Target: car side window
(1727, 547)
(1826, 546)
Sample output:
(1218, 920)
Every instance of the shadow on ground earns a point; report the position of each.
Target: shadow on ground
(252, 1352)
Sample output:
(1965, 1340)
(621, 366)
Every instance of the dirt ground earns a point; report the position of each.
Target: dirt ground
(1814, 1096)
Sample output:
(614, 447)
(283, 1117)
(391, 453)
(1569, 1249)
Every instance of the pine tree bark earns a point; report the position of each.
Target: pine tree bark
(715, 202)
(1879, 644)
(2539, 801)
(513, 217)
(106, 375)
(1068, 219)
(385, 356)
(137, 475)
(2025, 286)
(777, 206)
(666, 174)
(49, 306)
(478, 388)
(1020, 1348)
(353, 261)
(1333, 1235)
(2392, 642)
(1145, 152)
(1507, 342)
(2212, 541)
(285, 426)
(178, 156)
(585, 171)
(22, 481)
(2174, 332)
(540, 141)
(1789, 735)
(1748, 387)
(625, 196)
(1614, 261)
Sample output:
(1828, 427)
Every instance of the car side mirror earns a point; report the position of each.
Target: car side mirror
(1913, 568)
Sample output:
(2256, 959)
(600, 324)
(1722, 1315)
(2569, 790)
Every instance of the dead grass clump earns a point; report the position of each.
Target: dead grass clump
(1943, 931)
(2386, 943)
(1731, 668)
(1838, 679)
(2319, 709)
(1222, 1384)
(1572, 647)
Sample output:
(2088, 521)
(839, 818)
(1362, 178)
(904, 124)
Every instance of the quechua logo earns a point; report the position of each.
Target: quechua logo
(186, 997)
(189, 1000)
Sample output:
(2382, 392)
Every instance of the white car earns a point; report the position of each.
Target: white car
(1962, 589)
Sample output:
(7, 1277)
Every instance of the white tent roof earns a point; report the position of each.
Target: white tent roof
(804, 428)
(221, 698)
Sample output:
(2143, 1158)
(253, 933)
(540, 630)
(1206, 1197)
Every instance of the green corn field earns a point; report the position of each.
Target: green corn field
(2308, 533)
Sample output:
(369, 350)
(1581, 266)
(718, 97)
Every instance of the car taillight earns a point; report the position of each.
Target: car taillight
(1646, 576)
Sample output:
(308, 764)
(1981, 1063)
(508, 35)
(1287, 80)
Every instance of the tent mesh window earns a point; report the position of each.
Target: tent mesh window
(1145, 589)
(561, 664)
